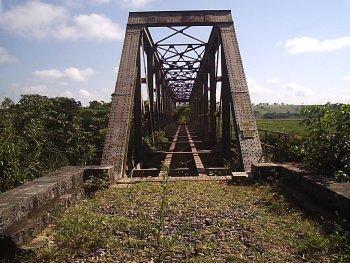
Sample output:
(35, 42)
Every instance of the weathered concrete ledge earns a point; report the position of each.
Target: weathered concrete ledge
(27, 209)
(328, 193)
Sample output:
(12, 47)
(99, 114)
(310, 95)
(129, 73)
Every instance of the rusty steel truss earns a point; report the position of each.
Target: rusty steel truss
(181, 73)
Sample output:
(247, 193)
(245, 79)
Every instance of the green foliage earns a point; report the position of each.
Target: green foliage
(40, 134)
(96, 182)
(83, 232)
(283, 135)
(321, 141)
(341, 177)
(325, 144)
(183, 114)
(160, 143)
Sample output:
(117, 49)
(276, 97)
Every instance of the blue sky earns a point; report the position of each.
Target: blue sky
(293, 51)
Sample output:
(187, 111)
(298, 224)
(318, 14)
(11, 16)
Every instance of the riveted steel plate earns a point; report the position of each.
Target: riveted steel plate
(180, 18)
(248, 135)
(117, 139)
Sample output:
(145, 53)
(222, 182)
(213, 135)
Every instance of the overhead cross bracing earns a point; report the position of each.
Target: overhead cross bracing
(180, 62)
(158, 72)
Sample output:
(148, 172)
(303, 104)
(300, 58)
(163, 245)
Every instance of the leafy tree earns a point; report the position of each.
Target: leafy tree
(41, 134)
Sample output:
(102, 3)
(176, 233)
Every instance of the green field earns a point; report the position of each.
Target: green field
(289, 111)
(280, 125)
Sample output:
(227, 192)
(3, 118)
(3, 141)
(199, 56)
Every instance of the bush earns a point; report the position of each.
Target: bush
(325, 144)
(40, 134)
(183, 114)
(160, 143)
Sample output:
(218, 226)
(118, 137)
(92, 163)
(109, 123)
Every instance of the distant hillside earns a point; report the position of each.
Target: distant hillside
(277, 111)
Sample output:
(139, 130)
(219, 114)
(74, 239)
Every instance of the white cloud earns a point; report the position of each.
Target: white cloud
(294, 93)
(85, 93)
(41, 20)
(258, 92)
(343, 97)
(347, 77)
(308, 44)
(67, 94)
(69, 74)
(5, 57)
(78, 75)
(35, 89)
(100, 1)
(255, 89)
(273, 80)
(123, 3)
(136, 3)
(91, 27)
(293, 90)
(33, 18)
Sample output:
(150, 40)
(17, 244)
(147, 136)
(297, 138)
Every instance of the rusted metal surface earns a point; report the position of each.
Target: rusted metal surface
(179, 72)
(197, 160)
(119, 126)
(248, 137)
(174, 179)
(180, 18)
(169, 155)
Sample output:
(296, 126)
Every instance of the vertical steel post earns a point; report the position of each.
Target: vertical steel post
(212, 130)
(138, 117)
(150, 74)
(158, 104)
(225, 95)
(205, 103)
(120, 118)
(249, 144)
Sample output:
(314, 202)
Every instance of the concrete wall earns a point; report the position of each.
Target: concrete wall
(27, 209)
(326, 192)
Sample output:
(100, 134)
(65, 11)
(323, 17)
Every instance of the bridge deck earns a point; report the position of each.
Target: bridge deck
(186, 160)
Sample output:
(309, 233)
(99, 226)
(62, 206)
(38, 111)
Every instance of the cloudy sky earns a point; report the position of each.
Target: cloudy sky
(293, 51)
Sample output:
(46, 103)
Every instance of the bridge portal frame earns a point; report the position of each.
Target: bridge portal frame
(235, 103)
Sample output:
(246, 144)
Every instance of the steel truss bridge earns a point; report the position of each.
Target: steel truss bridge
(157, 74)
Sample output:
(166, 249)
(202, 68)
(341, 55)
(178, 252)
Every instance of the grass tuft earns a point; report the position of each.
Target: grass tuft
(191, 222)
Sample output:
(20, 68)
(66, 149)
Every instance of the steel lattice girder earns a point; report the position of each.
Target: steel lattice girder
(119, 126)
(242, 111)
(178, 78)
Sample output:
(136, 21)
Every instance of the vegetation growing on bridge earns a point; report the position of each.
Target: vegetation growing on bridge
(191, 222)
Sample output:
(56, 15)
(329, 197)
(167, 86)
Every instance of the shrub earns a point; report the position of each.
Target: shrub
(325, 144)
(160, 143)
(40, 134)
(183, 114)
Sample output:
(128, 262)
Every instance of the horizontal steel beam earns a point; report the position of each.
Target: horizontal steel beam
(172, 152)
(153, 172)
(180, 18)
